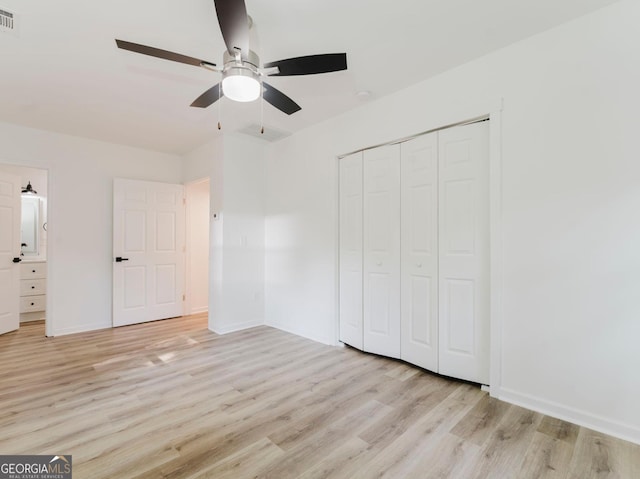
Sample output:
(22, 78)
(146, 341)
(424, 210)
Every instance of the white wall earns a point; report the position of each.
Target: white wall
(236, 167)
(80, 193)
(300, 237)
(570, 202)
(197, 195)
(243, 215)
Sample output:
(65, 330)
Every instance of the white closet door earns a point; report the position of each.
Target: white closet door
(382, 251)
(419, 277)
(148, 247)
(351, 250)
(464, 252)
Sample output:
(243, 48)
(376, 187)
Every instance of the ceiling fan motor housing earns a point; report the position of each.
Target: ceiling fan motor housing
(241, 79)
(252, 60)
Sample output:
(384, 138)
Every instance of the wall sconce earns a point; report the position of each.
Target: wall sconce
(28, 190)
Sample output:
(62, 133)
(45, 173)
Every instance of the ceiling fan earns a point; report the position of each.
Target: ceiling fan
(242, 74)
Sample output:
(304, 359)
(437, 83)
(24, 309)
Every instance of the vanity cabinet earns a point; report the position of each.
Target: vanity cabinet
(33, 289)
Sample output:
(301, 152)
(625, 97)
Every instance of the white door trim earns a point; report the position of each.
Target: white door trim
(49, 315)
(495, 250)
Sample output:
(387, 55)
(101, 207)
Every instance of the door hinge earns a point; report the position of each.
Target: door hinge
(184, 201)
(184, 297)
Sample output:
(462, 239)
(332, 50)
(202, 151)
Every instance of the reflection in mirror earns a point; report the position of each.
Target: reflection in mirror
(30, 226)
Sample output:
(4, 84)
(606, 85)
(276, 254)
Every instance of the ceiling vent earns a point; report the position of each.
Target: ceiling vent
(8, 21)
(270, 134)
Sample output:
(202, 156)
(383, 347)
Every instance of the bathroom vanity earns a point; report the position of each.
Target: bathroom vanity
(33, 268)
(33, 290)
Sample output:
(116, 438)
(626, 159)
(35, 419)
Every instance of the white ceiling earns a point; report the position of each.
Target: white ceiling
(62, 71)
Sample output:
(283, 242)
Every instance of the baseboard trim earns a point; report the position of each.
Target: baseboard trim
(576, 416)
(302, 335)
(199, 310)
(83, 328)
(237, 327)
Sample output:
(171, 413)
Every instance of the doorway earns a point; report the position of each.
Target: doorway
(160, 250)
(197, 195)
(28, 288)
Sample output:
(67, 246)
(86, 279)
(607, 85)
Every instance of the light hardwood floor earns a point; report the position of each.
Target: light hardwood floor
(171, 399)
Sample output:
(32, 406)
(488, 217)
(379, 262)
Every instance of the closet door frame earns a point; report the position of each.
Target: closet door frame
(495, 249)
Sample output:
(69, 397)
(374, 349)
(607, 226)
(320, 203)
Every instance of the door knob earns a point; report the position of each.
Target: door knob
(379, 263)
(120, 259)
(17, 260)
(419, 265)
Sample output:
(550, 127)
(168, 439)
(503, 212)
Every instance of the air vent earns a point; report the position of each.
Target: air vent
(270, 134)
(8, 21)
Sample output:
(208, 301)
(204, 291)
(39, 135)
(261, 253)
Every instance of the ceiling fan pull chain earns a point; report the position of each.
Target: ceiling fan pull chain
(261, 110)
(220, 106)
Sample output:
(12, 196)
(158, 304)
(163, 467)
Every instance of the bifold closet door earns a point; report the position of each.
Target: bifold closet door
(464, 252)
(382, 251)
(419, 270)
(351, 250)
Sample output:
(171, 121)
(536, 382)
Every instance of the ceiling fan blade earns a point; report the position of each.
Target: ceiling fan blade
(234, 25)
(208, 98)
(278, 99)
(310, 65)
(164, 54)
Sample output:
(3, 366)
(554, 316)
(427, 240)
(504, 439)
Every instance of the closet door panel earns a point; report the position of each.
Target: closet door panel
(382, 251)
(464, 252)
(419, 271)
(351, 250)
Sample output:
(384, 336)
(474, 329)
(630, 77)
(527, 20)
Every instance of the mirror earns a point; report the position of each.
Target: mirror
(30, 229)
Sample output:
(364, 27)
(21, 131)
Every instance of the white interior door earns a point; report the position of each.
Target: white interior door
(9, 249)
(464, 252)
(148, 250)
(419, 256)
(382, 251)
(351, 250)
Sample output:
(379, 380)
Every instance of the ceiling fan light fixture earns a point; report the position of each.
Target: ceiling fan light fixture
(241, 84)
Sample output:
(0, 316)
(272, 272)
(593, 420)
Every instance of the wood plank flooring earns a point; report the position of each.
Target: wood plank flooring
(171, 399)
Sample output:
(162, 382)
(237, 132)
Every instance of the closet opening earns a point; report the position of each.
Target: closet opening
(415, 250)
